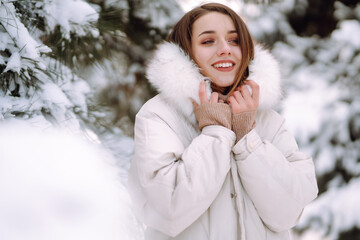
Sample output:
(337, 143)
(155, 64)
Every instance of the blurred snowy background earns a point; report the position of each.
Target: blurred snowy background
(79, 66)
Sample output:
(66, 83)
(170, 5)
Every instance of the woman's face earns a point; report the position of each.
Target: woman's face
(215, 47)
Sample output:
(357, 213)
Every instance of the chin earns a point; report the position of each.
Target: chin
(220, 80)
(223, 83)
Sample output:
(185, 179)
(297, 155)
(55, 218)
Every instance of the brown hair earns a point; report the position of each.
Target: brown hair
(182, 31)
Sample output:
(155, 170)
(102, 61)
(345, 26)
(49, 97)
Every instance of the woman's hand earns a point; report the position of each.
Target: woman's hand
(242, 101)
(214, 97)
(243, 107)
(213, 111)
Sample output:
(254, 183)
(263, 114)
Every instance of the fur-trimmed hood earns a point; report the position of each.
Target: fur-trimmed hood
(177, 78)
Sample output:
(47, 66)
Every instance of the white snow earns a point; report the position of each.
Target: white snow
(321, 77)
(5, 104)
(63, 200)
(303, 109)
(53, 185)
(323, 165)
(338, 207)
(159, 14)
(14, 63)
(58, 186)
(348, 33)
(71, 15)
(4, 40)
(52, 94)
(18, 33)
(77, 93)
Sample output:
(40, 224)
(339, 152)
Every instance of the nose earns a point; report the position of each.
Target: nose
(224, 48)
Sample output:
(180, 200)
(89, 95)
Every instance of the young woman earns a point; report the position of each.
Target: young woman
(220, 165)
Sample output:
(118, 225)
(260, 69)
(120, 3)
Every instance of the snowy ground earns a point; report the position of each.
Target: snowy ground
(56, 185)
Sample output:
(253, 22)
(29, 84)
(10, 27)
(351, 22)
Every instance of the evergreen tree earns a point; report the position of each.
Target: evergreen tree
(318, 46)
(131, 29)
(35, 86)
(49, 48)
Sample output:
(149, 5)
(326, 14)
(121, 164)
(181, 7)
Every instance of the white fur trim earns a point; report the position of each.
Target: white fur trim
(177, 77)
(264, 70)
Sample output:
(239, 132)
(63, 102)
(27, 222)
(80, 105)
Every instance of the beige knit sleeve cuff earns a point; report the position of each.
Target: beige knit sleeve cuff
(243, 123)
(213, 114)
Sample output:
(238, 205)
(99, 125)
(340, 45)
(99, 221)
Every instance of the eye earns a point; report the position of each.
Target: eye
(234, 41)
(207, 41)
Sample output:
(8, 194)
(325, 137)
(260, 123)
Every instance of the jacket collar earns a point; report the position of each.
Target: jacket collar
(176, 77)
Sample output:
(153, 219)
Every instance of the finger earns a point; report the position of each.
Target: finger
(234, 105)
(214, 97)
(202, 93)
(221, 101)
(246, 94)
(255, 90)
(239, 98)
(194, 103)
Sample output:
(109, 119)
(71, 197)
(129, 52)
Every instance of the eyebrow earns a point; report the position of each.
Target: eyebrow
(211, 31)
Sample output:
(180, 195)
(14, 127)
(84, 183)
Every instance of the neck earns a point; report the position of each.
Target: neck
(222, 90)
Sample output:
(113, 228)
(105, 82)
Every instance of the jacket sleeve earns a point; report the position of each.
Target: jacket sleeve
(172, 185)
(279, 179)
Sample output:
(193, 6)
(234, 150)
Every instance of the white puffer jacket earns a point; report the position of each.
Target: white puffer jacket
(187, 184)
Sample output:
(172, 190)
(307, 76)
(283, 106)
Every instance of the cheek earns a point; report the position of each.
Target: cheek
(201, 57)
(238, 54)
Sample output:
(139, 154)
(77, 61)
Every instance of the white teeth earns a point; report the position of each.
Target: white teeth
(223, 65)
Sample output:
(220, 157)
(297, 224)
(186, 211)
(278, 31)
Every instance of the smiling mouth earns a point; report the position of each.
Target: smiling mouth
(224, 67)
